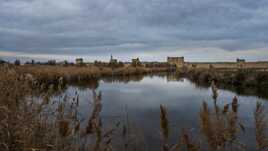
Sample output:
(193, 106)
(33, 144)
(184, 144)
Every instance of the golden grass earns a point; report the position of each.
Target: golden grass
(261, 124)
(43, 76)
(45, 71)
(28, 124)
(164, 122)
(222, 126)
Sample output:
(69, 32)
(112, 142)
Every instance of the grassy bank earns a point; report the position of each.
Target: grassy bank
(45, 75)
(238, 77)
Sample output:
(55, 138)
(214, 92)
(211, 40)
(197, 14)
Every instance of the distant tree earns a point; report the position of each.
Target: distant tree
(2, 61)
(17, 62)
(51, 62)
(33, 62)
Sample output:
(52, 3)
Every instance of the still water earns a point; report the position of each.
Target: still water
(137, 100)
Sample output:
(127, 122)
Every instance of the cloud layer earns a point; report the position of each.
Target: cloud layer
(134, 27)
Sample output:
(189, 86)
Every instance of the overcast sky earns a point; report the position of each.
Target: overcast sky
(200, 30)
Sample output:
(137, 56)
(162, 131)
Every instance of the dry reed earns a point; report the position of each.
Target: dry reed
(28, 124)
(261, 124)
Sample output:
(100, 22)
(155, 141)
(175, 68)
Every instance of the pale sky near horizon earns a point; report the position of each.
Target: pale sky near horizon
(206, 30)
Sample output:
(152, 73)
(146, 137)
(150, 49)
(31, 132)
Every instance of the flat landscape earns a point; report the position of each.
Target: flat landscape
(129, 107)
(133, 75)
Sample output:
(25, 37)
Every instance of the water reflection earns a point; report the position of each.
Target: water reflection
(88, 84)
(169, 77)
(139, 98)
(239, 90)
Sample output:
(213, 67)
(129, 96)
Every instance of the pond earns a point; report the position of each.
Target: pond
(137, 99)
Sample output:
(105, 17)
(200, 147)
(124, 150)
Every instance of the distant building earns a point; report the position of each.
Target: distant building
(112, 60)
(79, 61)
(136, 62)
(178, 61)
(240, 62)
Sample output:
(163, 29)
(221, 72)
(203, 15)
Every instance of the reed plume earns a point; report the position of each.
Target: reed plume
(94, 121)
(222, 127)
(235, 104)
(214, 90)
(64, 128)
(164, 123)
(261, 124)
(225, 109)
(206, 125)
(188, 142)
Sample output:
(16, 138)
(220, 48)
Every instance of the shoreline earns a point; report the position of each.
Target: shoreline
(42, 76)
(45, 75)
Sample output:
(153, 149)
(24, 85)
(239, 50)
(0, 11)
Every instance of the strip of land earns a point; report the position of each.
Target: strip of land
(237, 73)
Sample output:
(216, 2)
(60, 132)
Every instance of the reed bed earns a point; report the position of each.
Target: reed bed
(238, 77)
(29, 123)
(261, 124)
(42, 76)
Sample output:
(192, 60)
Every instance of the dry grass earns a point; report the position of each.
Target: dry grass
(184, 141)
(237, 77)
(42, 76)
(164, 123)
(222, 126)
(29, 124)
(45, 71)
(261, 125)
(214, 90)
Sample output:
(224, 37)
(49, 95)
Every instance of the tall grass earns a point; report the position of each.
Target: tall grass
(235, 77)
(26, 123)
(261, 125)
(51, 74)
(222, 126)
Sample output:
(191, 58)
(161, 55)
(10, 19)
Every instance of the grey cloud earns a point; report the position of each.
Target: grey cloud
(90, 27)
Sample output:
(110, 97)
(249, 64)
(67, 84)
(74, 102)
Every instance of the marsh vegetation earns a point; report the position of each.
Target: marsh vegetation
(162, 112)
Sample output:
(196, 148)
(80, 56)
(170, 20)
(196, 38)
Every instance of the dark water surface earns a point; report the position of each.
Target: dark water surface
(137, 100)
